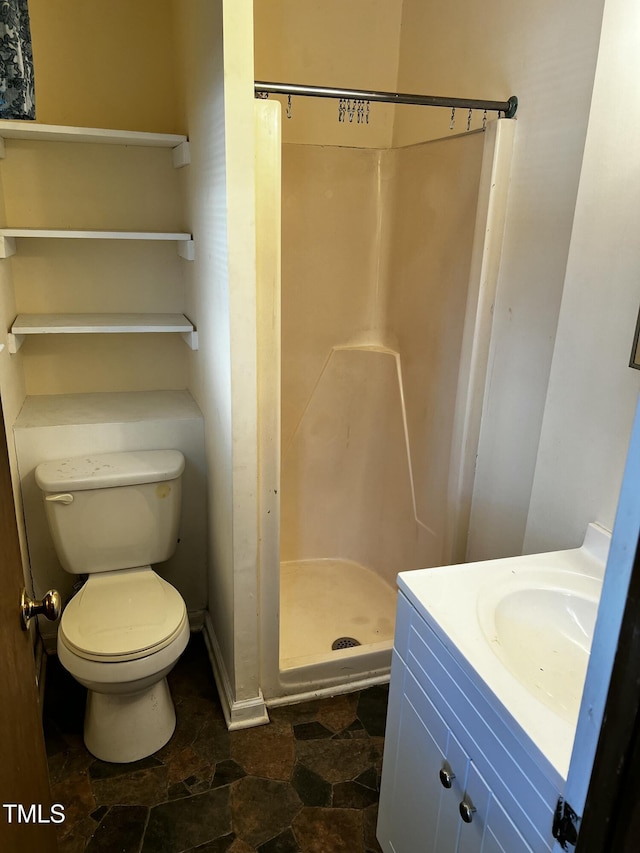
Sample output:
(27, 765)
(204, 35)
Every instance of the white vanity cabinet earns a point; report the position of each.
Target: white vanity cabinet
(458, 775)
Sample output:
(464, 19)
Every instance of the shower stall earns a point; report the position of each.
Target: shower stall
(376, 273)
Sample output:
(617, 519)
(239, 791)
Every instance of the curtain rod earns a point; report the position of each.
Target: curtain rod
(507, 107)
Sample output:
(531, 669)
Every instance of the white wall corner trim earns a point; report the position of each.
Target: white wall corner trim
(243, 714)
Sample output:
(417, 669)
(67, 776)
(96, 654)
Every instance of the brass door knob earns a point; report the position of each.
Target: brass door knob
(50, 606)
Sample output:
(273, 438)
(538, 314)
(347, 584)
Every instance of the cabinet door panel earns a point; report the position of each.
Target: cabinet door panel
(501, 835)
(449, 822)
(478, 796)
(490, 830)
(417, 789)
(528, 788)
(420, 814)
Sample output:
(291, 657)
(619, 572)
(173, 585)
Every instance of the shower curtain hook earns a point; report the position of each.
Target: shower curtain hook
(453, 118)
(484, 120)
(469, 121)
(289, 110)
(342, 108)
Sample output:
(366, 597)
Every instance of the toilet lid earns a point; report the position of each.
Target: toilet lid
(124, 614)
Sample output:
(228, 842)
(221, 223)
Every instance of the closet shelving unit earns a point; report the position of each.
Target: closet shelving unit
(41, 324)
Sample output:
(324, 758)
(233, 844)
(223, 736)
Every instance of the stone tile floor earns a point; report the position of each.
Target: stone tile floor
(306, 783)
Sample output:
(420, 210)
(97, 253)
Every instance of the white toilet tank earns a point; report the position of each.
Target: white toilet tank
(113, 510)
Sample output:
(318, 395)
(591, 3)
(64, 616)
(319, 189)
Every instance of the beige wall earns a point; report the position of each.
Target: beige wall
(333, 43)
(103, 64)
(592, 392)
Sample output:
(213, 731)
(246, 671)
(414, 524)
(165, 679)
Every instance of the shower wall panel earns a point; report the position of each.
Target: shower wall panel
(329, 210)
(346, 479)
(435, 197)
(376, 256)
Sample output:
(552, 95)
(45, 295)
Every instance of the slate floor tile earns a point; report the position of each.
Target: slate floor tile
(145, 787)
(370, 817)
(227, 772)
(352, 795)
(262, 808)
(312, 789)
(107, 770)
(177, 825)
(220, 845)
(372, 709)
(264, 751)
(337, 712)
(121, 829)
(74, 792)
(283, 843)
(335, 830)
(337, 760)
(307, 782)
(311, 731)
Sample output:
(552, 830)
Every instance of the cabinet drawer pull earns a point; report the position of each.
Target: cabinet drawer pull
(447, 776)
(467, 810)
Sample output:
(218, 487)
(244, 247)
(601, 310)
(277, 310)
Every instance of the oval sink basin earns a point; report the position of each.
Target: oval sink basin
(540, 625)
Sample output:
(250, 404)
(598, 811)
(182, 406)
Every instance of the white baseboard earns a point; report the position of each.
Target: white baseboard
(238, 714)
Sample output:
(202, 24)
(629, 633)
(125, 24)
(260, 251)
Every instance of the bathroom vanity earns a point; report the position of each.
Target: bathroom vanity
(488, 666)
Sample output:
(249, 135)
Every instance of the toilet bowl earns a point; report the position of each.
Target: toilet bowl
(125, 629)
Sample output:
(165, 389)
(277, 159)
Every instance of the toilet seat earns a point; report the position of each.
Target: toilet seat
(122, 616)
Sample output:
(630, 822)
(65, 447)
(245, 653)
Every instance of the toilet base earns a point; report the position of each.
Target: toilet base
(121, 728)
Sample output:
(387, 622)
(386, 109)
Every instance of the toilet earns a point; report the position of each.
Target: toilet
(112, 516)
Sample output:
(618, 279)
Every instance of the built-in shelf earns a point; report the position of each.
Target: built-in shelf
(8, 237)
(83, 324)
(98, 135)
(44, 324)
(62, 133)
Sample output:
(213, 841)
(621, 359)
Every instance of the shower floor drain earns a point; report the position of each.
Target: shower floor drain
(344, 643)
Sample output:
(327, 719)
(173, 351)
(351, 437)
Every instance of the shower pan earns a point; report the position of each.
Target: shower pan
(374, 335)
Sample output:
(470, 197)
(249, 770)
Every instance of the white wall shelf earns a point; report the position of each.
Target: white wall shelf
(101, 136)
(8, 237)
(82, 324)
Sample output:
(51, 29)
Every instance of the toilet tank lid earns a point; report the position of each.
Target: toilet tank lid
(106, 470)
